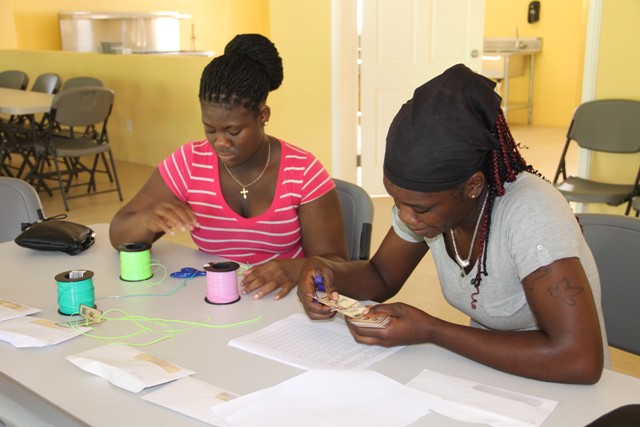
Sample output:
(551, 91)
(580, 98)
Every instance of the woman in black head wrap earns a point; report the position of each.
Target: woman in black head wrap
(507, 247)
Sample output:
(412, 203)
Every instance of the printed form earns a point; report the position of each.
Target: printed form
(306, 344)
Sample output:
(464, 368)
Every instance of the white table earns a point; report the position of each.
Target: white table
(18, 102)
(62, 394)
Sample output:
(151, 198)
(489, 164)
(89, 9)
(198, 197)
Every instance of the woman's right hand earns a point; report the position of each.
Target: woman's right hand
(153, 211)
(168, 216)
(312, 267)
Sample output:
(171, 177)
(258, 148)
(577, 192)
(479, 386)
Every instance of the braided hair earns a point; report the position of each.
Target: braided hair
(502, 165)
(250, 68)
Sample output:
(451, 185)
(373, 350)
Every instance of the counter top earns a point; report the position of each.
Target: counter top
(512, 46)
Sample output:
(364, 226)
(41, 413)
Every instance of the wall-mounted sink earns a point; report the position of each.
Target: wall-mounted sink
(493, 65)
(512, 45)
(498, 51)
(503, 58)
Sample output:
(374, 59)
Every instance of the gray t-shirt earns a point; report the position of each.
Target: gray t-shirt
(532, 226)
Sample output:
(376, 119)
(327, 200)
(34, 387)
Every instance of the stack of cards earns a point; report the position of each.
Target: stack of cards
(352, 309)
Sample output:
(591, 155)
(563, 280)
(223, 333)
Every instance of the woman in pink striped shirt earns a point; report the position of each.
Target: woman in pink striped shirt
(242, 194)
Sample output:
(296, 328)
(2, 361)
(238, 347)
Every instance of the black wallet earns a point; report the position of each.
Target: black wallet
(56, 234)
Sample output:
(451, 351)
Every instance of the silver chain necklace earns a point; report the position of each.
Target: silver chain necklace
(244, 190)
(464, 263)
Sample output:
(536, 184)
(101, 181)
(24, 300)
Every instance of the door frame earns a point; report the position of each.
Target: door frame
(344, 89)
(590, 71)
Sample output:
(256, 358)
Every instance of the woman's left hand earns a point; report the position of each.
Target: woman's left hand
(265, 278)
(407, 325)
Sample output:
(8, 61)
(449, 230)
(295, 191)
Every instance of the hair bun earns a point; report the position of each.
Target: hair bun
(263, 51)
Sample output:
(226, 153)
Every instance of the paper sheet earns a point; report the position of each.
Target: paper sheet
(469, 401)
(193, 398)
(30, 331)
(127, 367)
(301, 342)
(320, 398)
(11, 310)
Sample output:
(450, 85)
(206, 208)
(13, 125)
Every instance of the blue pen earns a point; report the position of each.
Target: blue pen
(319, 282)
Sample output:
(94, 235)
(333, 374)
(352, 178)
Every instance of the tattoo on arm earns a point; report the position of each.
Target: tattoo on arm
(536, 276)
(564, 291)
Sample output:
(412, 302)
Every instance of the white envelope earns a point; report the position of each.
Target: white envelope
(466, 400)
(191, 397)
(128, 367)
(325, 397)
(30, 331)
(11, 310)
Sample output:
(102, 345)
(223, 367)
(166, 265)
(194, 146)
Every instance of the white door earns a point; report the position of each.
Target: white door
(404, 44)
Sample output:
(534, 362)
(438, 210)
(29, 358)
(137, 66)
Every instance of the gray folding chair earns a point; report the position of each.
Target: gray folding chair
(614, 241)
(20, 205)
(608, 126)
(357, 211)
(74, 82)
(14, 79)
(50, 83)
(47, 83)
(82, 81)
(635, 204)
(82, 107)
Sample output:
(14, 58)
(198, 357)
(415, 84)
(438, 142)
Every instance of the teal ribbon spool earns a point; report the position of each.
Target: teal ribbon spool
(135, 262)
(74, 291)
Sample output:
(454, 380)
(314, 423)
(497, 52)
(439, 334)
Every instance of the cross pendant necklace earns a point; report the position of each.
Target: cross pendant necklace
(244, 190)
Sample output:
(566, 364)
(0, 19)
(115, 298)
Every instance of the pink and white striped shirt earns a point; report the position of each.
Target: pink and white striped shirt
(192, 174)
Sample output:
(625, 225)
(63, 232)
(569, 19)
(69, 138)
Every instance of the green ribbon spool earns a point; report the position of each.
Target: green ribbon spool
(135, 262)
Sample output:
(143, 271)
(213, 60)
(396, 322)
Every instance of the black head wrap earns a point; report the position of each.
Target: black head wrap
(442, 135)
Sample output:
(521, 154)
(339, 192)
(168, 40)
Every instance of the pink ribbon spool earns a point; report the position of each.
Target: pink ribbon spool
(222, 282)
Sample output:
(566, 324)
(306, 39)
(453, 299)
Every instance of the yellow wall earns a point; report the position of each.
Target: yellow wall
(301, 108)
(619, 63)
(158, 94)
(617, 78)
(558, 69)
(7, 26)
